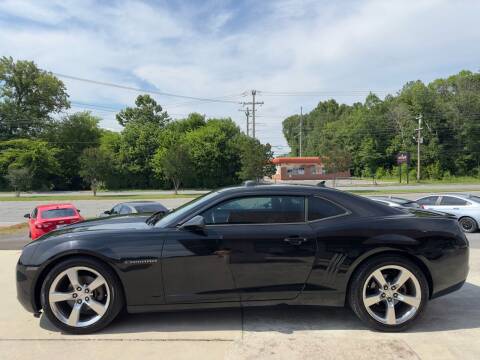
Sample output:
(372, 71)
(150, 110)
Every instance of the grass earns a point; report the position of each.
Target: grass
(13, 228)
(98, 197)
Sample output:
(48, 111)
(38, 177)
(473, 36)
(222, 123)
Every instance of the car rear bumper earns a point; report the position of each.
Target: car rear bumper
(26, 276)
(450, 272)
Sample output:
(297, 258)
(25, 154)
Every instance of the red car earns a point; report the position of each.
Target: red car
(46, 218)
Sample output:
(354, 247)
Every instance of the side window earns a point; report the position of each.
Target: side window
(320, 209)
(429, 200)
(257, 210)
(125, 210)
(115, 210)
(450, 200)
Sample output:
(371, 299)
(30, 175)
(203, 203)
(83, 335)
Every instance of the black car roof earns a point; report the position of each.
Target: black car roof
(275, 187)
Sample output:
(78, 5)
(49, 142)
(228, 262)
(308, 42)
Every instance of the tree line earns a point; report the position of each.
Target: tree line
(44, 148)
(366, 137)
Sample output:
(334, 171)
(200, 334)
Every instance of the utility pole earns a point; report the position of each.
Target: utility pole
(247, 114)
(301, 131)
(419, 141)
(253, 103)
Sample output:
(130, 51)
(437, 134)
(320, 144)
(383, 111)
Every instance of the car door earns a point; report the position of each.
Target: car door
(429, 202)
(195, 269)
(267, 243)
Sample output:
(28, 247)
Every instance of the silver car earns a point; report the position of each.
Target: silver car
(465, 207)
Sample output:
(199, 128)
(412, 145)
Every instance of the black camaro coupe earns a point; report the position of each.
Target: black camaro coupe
(247, 246)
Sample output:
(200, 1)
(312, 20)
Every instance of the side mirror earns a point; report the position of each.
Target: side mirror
(107, 212)
(197, 223)
(78, 210)
(26, 216)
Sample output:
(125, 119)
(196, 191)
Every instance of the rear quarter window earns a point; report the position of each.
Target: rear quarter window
(57, 213)
(319, 208)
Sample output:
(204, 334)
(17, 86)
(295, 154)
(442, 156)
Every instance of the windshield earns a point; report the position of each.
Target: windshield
(179, 212)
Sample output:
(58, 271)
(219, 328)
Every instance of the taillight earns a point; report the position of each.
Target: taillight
(43, 225)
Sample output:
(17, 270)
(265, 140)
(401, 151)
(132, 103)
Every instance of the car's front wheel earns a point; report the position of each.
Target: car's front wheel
(388, 293)
(81, 295)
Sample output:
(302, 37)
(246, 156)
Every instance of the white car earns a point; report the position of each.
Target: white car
(465, 207)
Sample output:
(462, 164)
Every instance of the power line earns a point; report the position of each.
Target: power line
(131, 88)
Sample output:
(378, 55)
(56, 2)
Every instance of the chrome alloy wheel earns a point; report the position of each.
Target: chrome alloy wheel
(392, 295)
(79, 296)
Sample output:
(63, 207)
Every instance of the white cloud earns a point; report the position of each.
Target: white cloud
(215, 50)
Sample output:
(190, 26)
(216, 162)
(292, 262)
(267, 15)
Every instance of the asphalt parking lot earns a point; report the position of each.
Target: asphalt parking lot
(449, 329)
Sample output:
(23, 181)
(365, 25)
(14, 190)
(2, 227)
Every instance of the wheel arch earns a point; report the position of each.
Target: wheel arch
(65, 256)
(416, 260)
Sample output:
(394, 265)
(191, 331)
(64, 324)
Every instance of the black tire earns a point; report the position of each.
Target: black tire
(113, 283)
(361, 275)
(468, 224)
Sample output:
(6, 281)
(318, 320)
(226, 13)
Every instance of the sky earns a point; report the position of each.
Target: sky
(222, 50)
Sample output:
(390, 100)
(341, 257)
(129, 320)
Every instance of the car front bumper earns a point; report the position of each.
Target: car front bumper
(26, 279)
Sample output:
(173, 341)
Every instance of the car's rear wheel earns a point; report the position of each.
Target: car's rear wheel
(81, 295)
(388, 293)
(468, 224)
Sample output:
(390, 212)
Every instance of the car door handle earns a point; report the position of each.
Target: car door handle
(295, 240)
(456, 209)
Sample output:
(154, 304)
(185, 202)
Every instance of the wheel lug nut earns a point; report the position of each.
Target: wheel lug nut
(389, 299)
(79, 288)
(395, 295)
(87, 291)
(383, 295)
(385, 287)
(394, 288)
(74, 295)
(79, 301)
(87, 298)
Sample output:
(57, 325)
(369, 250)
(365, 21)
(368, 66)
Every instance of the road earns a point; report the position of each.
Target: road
(449, 329)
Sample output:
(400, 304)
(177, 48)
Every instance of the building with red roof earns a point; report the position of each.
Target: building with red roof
(303, 168)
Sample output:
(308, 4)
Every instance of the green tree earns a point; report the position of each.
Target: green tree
(36, 155)
(336, 159)
(174, 164)
(28, 99)
(214, 153)
(73, 134)
(146, 111)
(20, 179)
(255, 159)
(94, 167)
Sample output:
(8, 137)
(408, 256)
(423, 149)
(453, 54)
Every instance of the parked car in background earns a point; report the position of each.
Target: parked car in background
(136, 207)
(45, 218)
(465, 207)
(396, 201)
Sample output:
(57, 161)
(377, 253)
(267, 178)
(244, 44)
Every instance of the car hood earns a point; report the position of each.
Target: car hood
(112, 223)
